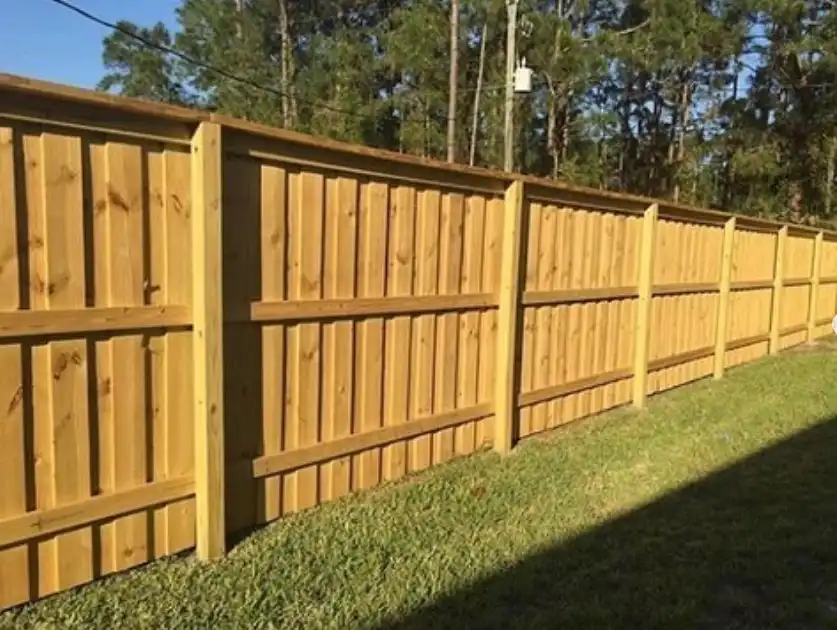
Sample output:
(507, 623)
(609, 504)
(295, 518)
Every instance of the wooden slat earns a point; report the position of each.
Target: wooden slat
(367, 440)
(339, 282)
(123, 358)
(208, 342)
(14, 562)
(643, 316)
(348, 308)
(544, 394)
(778, 283)
(506, 366)
(340, 168)
(274, 240)
(828, 280)
(790, 330)
(469, 331)
(685, 288)
(65, 393)
(424, 327)
(816, 269)
(747, 341)
(750, 285)
(545, 257)
(59, 125)
(398, 330)
(369, 355)
(681, 358)
(49, 522)
(447, 327)
(723, 308)
(571, 296)
(177, 346)
(72, 322)
(796, 282)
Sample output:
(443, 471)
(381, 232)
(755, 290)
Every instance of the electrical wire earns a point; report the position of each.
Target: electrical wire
(234, 77)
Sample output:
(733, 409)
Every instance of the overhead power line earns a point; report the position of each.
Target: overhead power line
(221, 71)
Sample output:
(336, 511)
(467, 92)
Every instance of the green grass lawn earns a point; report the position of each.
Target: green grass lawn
(717, 508)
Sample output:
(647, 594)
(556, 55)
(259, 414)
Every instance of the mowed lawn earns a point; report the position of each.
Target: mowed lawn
(716, 508)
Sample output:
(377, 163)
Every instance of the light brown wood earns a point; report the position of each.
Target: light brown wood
(274, 244)
(42, 523)
(63, 404)
(681, 358)
(778, 283)
(571, 296)
(509, 294)
(357, 308)
(642, 329)
(796, 282)
(14, 562)
(751, 285)
(544, 394)
(685, 288)
(722, 311)
(369, 364)
(207, 310)
(791, 330)
(33, 88)
(424, 327)
(451, 232)
(376, 439)
(71, 322)
(398, 329)
(84, 126)
(339, 282)
(816, 270)
(747, 341)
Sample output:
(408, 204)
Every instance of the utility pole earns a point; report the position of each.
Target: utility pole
(511, 37)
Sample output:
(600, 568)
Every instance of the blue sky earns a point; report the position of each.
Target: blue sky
(43, 40)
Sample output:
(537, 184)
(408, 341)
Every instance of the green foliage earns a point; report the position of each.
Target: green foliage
(722, 103)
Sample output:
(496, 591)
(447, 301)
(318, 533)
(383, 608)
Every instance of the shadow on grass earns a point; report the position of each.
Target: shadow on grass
(753, 546)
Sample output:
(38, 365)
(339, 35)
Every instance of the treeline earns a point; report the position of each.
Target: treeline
(719, 103)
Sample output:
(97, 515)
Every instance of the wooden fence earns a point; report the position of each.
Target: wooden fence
(206, 324)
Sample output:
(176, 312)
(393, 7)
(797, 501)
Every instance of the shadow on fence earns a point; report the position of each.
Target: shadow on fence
(751, 546)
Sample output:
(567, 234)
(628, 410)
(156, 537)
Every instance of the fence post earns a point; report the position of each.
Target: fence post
(508, 320)
(645, 288)
(815, 286)
(778, 281)
(722, 319)
(207, 341)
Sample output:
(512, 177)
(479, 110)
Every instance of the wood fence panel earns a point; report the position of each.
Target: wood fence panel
(687, 271)
(580, 279)
(826, 307)
(799, 257)
(93, 226)
(329, 242)
(753, 258)
(359, 305)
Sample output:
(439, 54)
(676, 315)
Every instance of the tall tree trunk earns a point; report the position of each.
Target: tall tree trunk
(480, 74)
(287, 67)
(682, 121)
(829, 182)
(454, 75)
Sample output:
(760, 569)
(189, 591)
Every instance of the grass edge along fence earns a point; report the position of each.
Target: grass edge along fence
(206, 324)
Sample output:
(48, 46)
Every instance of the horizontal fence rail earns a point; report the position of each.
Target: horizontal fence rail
(207, 324)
